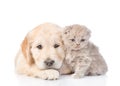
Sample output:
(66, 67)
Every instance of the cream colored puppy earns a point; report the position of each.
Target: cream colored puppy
(41, 53)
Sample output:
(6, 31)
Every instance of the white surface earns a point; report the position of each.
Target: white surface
(17, 17)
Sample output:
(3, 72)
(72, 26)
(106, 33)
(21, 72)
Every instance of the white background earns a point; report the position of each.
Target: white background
(17, 17)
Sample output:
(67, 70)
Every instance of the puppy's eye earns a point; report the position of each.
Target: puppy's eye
(82, 40)
(39, 47)
(56, 46)
(72, 40)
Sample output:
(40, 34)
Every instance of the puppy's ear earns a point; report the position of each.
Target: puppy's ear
(25, 46)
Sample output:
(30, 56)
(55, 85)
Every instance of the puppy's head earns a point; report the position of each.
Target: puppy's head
(43, 46)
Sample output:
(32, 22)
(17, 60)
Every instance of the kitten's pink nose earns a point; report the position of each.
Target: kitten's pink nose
(77, 45)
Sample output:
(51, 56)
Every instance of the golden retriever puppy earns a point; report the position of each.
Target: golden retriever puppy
(41, 53)
(82, 56)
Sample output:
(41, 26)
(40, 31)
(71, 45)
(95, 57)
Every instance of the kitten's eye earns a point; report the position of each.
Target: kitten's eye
(82, 40)
(65, 33)
(39, 47)
(72, 40)
(56, 46)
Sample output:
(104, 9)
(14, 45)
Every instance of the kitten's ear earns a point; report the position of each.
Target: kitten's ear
(88, 30)
(67, 29)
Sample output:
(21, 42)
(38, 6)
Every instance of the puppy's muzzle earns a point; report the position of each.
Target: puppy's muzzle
(49, 62)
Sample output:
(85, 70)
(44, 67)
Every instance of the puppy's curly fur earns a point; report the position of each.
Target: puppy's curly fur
(82, 56)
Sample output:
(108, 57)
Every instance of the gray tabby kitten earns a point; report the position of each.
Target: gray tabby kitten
(82, 56)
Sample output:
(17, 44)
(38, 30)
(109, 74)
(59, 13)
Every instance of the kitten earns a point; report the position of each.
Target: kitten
(82, 56)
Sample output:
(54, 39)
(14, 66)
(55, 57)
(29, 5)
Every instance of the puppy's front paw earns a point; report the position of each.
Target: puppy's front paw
(77, 76)
(50, 74)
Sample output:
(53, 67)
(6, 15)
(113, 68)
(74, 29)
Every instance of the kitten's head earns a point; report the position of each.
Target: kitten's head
(76, 36)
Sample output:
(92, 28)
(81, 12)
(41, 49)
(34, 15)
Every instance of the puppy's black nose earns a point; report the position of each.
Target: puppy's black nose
(49, 62)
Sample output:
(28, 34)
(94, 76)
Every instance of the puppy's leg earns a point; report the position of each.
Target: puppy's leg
(49, 74)
(81, 67)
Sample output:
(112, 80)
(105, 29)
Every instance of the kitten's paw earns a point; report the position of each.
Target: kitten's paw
(77, 76)
(69, 60)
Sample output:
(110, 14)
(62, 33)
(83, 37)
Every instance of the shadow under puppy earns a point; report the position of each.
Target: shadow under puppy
(82, 56)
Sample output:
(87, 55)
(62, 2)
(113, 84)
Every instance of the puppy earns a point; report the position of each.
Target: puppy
(41, 53)
(82, 56)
